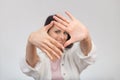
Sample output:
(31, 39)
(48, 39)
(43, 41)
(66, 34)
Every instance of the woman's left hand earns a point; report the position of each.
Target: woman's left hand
(73, 27)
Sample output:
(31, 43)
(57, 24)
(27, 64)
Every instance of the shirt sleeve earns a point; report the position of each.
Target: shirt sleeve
(78, 60)
(90, 58)
(28, 70)
(41, 71)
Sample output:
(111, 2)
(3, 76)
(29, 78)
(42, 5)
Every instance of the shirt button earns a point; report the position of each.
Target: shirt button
(64, 74)
(62, 64)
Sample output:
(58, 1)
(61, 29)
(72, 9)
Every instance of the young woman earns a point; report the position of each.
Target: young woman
(65, 47)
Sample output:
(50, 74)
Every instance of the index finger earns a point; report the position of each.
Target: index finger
(63, 18)
(57, 44)
(70, 15)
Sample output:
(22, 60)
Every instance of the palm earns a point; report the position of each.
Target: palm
(76, 30)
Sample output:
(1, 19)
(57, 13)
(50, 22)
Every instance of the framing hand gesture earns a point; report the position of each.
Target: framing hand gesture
(74, 27)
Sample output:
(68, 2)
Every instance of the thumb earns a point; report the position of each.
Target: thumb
(49, 25)
(68, 43)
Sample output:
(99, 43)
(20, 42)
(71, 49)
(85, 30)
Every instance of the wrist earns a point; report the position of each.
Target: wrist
(86, 45)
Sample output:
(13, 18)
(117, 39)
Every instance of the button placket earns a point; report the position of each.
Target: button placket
(64, 74)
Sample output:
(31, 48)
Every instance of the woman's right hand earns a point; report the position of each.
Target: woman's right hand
(47, 44)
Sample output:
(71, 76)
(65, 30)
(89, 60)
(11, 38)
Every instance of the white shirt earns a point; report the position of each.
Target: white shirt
(73, 62)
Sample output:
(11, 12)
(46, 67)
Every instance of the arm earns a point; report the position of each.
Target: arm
(86, 45)
(31, 55)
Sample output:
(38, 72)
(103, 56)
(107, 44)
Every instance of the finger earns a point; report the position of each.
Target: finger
(56, 43)
(60, 21)
(70, 15)
(63, 18)
(56, 46)
(52, 57)
(54, 50)
(67, 43)
(49, 25)
(51, 51)
(60, 26)
(48, 54)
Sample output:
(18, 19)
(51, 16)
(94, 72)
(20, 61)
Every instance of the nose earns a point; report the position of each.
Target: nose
(62, 36)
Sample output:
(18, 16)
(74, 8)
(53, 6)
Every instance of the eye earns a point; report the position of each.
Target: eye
(65, 33)
(57, 31)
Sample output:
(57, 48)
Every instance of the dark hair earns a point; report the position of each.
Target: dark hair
(48, 20)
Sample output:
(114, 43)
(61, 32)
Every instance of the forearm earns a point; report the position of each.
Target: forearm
(86, 45)
(31, 55)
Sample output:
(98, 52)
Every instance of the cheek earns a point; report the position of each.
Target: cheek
(53, 35)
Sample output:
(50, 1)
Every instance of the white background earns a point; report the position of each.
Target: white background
(18, 18)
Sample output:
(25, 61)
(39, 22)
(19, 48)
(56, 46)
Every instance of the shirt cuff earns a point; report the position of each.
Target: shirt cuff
(25, 67)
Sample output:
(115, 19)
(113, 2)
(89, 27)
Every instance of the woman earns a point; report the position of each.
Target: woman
(59, 59)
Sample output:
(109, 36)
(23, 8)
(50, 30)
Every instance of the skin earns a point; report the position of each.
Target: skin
(52, 45)
(60, 36)
(77, 31)
(40, 39)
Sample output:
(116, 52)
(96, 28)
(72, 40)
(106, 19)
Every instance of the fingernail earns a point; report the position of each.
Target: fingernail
(58, 57)
(51, 58)
(63, 48)
(61, 53)
(54, 16)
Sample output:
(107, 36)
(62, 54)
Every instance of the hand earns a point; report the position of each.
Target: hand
(74, 27)
(43, 41)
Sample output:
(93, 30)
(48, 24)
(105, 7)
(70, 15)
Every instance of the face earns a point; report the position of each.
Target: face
(58, 34)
